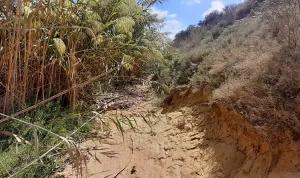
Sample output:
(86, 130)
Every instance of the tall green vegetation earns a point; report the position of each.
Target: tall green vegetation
(47, 47)
(52, 49)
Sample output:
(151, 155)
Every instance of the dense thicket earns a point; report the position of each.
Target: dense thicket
(52, 49)
(47, 47)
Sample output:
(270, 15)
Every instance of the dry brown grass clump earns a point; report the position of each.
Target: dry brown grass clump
(270, 99)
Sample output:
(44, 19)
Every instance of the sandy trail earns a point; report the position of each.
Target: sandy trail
(171, 145)
(188, 139)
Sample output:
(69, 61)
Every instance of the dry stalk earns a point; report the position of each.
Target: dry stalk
(59, 94)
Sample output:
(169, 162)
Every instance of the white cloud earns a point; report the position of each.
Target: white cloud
(171, 25)
(173, 16)
(162, 14)
(215, 6)
(190, 2)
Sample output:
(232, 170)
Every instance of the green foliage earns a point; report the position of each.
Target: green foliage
(125, 25)
(127, 62)
(53, 117)
(60, 46)
(74, 41)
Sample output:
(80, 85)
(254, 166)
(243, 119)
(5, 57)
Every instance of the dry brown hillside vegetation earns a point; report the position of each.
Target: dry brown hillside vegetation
(252, 63)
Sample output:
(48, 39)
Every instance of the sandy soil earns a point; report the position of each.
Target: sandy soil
(188, 139)
(165, 145)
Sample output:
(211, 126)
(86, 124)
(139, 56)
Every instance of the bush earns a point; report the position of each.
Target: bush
(217, 32)
(284, 17)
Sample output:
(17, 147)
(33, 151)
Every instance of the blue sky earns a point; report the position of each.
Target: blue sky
(179, 14)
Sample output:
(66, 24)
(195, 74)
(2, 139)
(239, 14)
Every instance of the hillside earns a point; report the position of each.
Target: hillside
(251, 65)
(248, 66)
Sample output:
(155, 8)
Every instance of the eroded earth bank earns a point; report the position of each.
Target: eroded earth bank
(189, 137)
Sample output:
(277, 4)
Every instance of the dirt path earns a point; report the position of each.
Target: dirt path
(171, 145)
(188, 139)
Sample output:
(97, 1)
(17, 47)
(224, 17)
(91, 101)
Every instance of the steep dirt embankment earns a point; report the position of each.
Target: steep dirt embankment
(256, 155)
(189, 138)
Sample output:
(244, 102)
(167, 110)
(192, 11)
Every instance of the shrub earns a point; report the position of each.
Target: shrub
(217, 32)
(284, 17)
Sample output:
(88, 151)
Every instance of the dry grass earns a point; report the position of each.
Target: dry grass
(235, 55)
(252, 74)
(30, 64)
(263, 85)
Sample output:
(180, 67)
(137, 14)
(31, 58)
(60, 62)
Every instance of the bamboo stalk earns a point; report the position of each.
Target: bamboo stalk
(61, 93)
